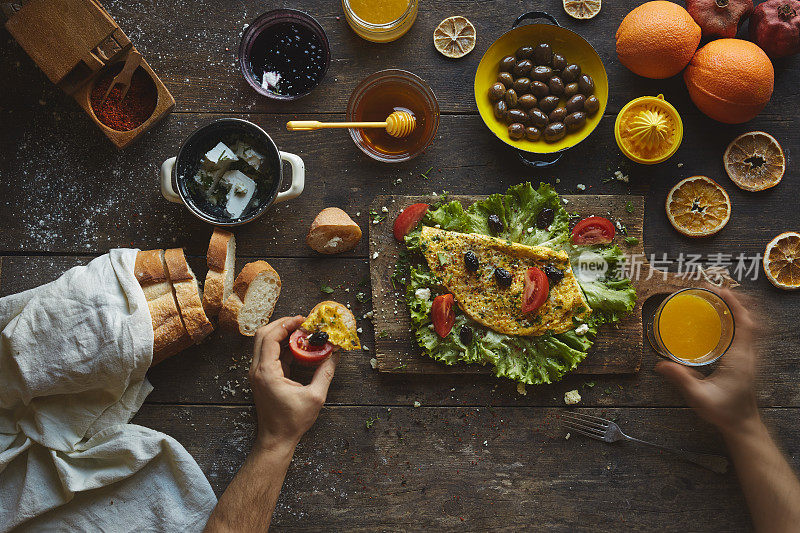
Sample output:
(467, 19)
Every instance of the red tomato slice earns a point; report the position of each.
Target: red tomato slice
(408, 220)
(443, 315)
(304, 353)
(593, 230)
(537, 288)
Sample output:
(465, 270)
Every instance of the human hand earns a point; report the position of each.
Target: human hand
(286, 409)
(726, 398)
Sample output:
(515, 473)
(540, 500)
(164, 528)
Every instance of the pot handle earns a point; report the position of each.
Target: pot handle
(535, 15)
(537, 163)
(298, 177)
(166, 181)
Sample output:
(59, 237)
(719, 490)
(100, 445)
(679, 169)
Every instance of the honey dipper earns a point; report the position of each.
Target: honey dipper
(399, 124)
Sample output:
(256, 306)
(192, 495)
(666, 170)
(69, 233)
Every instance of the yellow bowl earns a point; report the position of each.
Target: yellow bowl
(563, 41)
(656, 103)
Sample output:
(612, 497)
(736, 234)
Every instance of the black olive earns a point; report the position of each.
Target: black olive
(555, 131)
(522, 85)
(503, 277)
(532, 133)
(511, 98)
(527, 101)
(545, 218)
(571, 73)
(522, 68)
(516, 130)
(500, 110)
(497, 91)
(538, 118)
(556, 86)
(524, 52)
(518, 115)
(318, 339)
(507, 63)
(570, 90)
(576, 103)
(586, 84)
(591, 105)
(506, 79)
(553, 274)
(575, 121)
(495, 226)
(542, 73)
(465, 335)
(548, 103)
(539, 89)
(559, 62)
(557, 115)
(471, 261)
(543, 54)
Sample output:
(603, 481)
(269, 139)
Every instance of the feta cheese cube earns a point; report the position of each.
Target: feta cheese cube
(582, 329)
(425, 294)
(220, 154)
(572, 397)
(240, 192)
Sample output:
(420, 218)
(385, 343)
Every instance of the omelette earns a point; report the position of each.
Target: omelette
(500, 308)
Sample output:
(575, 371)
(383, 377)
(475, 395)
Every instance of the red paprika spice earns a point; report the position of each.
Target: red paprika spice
(123, 114)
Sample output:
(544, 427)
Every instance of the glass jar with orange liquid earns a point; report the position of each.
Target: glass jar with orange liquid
(693, 327)
(380, 21)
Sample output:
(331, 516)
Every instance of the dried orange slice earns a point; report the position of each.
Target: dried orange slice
(782, 260)
(454, 37)
(698, 207)
(582, 9)
(754, 161)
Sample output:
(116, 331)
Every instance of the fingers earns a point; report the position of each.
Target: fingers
(689, 380)
(741, 314)
(267, 348)
(323, 376)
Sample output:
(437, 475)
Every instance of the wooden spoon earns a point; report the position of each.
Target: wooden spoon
(399, 124)
(132, 62)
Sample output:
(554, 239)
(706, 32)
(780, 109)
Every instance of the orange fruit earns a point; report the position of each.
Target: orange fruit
(754, 161)
(782, 260)
(657, 39)
(698, 207)
(730, 80)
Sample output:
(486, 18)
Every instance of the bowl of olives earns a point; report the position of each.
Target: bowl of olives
(541, 88)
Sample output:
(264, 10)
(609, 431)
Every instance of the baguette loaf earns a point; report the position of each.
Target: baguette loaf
(252, 301)
(221, 259)
(187, 294)
(333, 232)
(169, 333)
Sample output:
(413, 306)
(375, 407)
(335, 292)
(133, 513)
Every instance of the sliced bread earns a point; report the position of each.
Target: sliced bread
(188, 295)
(252, 301)
(221, 259)
(333, 232)
(169, 333)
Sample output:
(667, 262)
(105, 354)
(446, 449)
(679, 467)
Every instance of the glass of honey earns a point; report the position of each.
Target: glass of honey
(693, 327)
(380, 21)
(383, 93)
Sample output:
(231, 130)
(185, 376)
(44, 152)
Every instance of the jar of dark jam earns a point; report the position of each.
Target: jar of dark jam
(284, 54)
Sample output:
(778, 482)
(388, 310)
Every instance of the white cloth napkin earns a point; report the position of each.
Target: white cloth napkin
(73, 358)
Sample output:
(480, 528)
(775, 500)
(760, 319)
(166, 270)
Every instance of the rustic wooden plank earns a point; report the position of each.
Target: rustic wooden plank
(194, 51)
(75, 193)
(216, 371)
(485, 468)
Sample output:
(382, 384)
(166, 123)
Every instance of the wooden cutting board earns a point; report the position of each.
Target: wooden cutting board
(617, 350)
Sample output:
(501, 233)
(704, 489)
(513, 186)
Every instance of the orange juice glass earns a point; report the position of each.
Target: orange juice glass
(693, 327)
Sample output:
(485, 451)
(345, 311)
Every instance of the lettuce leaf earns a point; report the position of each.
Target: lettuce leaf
(530, 360)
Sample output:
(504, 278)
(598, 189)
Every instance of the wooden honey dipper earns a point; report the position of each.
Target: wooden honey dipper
(399, 124)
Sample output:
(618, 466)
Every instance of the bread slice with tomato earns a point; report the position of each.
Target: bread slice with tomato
(329, 327)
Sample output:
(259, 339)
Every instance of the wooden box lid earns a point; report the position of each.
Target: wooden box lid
(70, 40)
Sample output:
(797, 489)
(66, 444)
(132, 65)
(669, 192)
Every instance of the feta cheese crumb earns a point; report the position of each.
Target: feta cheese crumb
(582, 329)
(581, 187)
(521, 389)
(530, 230)
(373, 363)
(384, 209)
(680, 165)
(486, 443)
(359, 330)
(424, 293)
(365, 347)
(375, 255)
(358, 214)
(566, 437)
(417, 404)
(369, 314)
(572, 397)
(565, 201)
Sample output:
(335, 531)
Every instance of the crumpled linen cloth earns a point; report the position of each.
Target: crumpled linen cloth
(73, 358)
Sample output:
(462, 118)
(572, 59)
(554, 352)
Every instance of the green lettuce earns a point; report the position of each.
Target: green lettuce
(531, 360)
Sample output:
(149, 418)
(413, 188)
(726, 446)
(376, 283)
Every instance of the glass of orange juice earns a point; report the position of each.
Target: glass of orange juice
(693, 327)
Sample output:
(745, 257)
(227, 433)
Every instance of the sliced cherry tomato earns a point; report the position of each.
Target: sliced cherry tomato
(408, 220)
(443, 314)
(537, 288)
(593, 230)
(306, 354)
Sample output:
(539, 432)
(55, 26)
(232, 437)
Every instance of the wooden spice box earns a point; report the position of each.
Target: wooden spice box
(75, 42)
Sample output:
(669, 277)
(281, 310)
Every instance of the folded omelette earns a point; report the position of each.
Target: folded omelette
(500, 308)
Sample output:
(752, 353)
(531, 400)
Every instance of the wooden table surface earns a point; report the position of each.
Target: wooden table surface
(476, 454)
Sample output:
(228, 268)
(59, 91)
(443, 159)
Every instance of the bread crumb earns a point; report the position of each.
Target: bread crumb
(572, 397)
(521, 389)
(373, 363)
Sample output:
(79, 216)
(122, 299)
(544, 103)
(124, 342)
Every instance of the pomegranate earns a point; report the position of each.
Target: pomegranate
(719, 18)
(775, 27)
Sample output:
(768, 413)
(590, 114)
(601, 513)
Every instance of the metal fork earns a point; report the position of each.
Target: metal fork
(607, 431)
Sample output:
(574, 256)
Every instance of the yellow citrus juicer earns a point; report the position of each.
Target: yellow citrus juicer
(648, 130)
